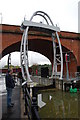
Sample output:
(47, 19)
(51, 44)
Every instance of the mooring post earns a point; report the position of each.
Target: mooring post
(54, 85)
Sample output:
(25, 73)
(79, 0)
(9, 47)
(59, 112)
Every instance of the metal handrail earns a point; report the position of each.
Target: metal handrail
(31, 108)
(36, 114)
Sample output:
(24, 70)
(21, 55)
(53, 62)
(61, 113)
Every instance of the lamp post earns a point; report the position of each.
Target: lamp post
(9, 61)
(67, 60)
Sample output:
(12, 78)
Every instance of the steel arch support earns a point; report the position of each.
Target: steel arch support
(24, 45)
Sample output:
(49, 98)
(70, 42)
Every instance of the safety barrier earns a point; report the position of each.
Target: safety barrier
(31, 107)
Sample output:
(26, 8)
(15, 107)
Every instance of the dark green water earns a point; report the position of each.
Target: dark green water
(61, 105)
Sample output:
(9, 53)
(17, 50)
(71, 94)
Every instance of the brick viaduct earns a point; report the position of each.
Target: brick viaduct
(10, 38)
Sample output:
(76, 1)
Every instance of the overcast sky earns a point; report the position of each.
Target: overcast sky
(64, 13)
(34, 58)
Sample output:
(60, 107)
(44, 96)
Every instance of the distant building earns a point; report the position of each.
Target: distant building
(79, 17)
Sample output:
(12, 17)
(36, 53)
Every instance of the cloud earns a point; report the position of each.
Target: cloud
(33, 57)
(63, 12)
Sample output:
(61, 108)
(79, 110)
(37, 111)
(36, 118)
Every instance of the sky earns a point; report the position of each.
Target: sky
(64, 13)
(33, 57)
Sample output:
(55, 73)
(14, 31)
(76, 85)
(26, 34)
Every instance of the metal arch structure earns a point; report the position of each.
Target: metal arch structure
(58, 58)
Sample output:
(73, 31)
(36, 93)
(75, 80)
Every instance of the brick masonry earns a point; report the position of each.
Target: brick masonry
(10, 38)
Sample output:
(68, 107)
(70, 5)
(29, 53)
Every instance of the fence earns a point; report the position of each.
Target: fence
(31, 108)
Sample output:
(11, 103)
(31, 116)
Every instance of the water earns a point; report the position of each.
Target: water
(60, 104)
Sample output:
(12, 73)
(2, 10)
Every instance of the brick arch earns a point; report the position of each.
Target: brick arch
(12, 48)
(71, 41)
(12, 34)
(71, 46)
(39, 42)
(71, 64)
(34, 45)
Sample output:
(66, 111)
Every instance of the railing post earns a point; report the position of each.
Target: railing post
(34, 92)
(34, 106)
(25, 95)
(54, 85)
(31, 107)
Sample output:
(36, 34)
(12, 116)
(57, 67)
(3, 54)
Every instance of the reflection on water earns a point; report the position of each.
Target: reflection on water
(59, 104)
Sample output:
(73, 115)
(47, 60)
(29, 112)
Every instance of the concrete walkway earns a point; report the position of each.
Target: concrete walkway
(18, 110)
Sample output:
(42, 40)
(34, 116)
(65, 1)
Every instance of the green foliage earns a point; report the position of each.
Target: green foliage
(6, 66)
(11, 66)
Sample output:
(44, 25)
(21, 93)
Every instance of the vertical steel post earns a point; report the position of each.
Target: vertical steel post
(67, 72)
(67, 76)
(9, 61)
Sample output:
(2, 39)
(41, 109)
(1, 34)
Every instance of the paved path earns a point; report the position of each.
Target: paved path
(14, 112)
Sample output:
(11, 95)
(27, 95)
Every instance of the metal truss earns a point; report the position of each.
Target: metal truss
(58, 58)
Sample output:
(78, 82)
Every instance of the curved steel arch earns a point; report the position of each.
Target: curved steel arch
(41, 13)
(24, 44)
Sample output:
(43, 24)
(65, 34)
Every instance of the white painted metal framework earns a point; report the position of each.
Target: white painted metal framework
(58, 58)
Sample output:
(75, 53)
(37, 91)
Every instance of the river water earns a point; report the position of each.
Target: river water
(53, 103)
(58, 104)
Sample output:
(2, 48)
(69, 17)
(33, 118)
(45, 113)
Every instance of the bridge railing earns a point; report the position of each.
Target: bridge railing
(31, 107)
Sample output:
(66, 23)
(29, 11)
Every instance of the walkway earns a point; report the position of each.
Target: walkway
(18, 110)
